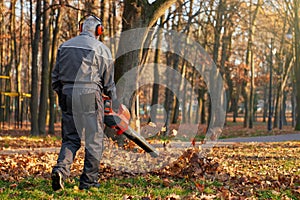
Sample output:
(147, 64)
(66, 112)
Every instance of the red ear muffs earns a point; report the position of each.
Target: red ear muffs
(99, 30)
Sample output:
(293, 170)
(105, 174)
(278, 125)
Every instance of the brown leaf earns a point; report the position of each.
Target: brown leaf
(14, 185)
(166, 182)
(173, 197)
(126, 197)
(297, 190)
(199, 187)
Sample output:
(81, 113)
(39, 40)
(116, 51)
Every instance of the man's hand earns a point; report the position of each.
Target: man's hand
(118, 120)
(62, 100)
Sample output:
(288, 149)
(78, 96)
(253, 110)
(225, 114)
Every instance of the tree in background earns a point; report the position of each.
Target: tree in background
(137, 14)
(34, 68)
(43, 103)
(296, 26)
(236, 34)
(55, 22)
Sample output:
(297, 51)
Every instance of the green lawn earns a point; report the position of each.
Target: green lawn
(134, 188)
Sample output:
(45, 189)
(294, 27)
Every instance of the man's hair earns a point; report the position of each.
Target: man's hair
(90, 24)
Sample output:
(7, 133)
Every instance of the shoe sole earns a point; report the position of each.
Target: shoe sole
(57, 181)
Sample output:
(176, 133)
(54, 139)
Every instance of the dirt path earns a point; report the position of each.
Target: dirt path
(275, 138)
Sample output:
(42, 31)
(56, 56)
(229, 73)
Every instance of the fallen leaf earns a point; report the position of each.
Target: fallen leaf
(199, 187)
(14, 185)
(166, 182)
(126, 197)
(173, 197)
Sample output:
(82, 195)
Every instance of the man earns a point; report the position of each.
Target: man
(83, 72)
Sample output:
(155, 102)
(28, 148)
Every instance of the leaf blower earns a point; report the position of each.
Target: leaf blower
(120, 122)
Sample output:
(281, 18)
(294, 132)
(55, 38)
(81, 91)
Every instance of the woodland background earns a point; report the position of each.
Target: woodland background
(254, 43)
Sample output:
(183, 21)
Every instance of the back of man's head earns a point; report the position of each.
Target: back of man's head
(90, 24)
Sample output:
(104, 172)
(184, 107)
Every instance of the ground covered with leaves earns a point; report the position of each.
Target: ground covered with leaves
(240, 171)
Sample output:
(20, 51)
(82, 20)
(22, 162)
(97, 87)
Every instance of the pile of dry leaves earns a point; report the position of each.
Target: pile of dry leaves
(239, 170)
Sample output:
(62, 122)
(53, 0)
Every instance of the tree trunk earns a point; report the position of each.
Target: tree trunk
(2, 56)
(7, 71)
(297, 61)
(250, 61)
(203, 111)
(34, 72)
(283, 116)
(190, 114)
(168, 107)
(131, 19)
(281, 73)
(184, 99)
(57, 25)
(245, 94)
(105, 17)
(112, 25)
(280, 92)
(293, 102)
(15, 61)
(199, 106)
(19, 71)
(218, 29)
(43, 107)
(155, 90)
(136, 14)
(235, 107)
(226, 48)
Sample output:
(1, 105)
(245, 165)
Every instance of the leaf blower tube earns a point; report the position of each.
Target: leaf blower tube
(120, 122)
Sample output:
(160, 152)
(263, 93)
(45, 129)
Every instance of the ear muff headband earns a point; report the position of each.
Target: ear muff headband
(99, 28)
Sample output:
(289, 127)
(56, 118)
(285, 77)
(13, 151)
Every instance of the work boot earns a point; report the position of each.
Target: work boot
(83, 186)
(57, 181)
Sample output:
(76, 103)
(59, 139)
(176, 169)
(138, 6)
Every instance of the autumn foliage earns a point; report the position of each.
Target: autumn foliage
(228, 172)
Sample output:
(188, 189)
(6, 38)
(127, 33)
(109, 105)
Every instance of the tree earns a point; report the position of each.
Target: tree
(155, 89)
(296, 7)
(14, 59)
(34, 70)
(248, 90)
(55, 20)
(137, 14)
(250, 60)
(236, 34)
(43, 106)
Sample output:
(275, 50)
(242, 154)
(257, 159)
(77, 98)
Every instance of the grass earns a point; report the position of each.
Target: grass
(15, 142)
(137, 188)
(132, 188)
(274, 195)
